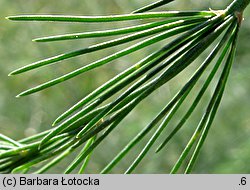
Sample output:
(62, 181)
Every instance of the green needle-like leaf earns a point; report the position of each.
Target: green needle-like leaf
(6, 164)
(206, 84)
(187, 87)
(125, 94)
(5, 147)
(18, 150)
(34, 137)
(225, 74)
(84, 154)
(9, 140)
(156, 134)
(86, 160)
(79, 158)
(135, 101)
(205, 118)
(94, 117)
(107, 85)
(129, 95)
(152, 6)
(182, 63)
(53, 162)
(106, 32)
(63, 18)
(108, 59)
(182, 40)
(46, 155)
(26, 149)
(100, 46)
(185, 90)
(86, 110)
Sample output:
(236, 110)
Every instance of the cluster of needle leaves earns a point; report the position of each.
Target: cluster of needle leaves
(87, 123)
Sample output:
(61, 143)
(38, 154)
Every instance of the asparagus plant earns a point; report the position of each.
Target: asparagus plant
(88, 122)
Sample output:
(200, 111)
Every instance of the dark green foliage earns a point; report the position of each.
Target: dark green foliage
(93, 118)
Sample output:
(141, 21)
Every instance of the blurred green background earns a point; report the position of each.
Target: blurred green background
(227, 149)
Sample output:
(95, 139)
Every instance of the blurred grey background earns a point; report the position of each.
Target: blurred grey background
(227, 148)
